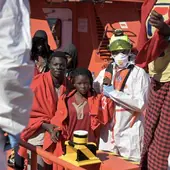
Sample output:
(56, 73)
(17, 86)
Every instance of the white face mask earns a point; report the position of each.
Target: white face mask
(121, 60)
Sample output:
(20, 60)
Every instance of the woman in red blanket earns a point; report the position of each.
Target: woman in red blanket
(154, 52)
(47, 87)
(80, 109)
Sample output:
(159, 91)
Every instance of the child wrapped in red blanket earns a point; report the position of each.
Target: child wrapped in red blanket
(79, 109)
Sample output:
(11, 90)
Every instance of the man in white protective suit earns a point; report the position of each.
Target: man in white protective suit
(16, 70)
(127, 85)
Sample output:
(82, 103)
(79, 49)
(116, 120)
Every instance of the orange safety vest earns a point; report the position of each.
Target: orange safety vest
(119, 83)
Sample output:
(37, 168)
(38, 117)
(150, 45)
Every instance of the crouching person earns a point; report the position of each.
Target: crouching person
(127, 85)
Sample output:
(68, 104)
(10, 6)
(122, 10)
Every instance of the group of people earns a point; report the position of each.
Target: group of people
(124, 109)
(64, 101)
(51, 70)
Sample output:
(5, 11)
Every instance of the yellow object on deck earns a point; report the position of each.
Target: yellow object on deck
(79, 152)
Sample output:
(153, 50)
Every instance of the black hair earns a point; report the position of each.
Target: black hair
(39, 48)
(84, 72)
(58, 54)
(40, 45)
(41, 34)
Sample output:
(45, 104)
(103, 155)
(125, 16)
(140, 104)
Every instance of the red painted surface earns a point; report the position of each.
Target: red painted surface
(109, 162)
(87, 43)
(115, 163)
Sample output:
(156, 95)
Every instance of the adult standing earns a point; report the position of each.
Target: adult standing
(154, 51)
(16, 70)
(127, 85)
(47, 88)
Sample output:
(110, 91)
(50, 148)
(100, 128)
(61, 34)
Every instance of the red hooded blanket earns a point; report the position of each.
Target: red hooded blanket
(149, 50)
(44, 105)
(101, 111)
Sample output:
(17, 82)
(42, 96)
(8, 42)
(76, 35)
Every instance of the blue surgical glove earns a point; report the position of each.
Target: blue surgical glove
(107, 90)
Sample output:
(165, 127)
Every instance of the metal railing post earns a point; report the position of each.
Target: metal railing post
(33, 161)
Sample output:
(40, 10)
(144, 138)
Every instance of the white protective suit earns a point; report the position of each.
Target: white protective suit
(16, 69)
(126, 140)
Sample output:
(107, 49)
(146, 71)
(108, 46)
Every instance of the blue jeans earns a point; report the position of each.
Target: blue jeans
(13, 140)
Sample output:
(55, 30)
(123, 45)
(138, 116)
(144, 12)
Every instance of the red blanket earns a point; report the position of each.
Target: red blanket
(101, 111)
(151, 49)
(44, 104)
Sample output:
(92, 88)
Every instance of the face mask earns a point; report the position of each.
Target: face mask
(121, 60)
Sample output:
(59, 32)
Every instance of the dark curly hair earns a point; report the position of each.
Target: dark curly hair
(84, 72)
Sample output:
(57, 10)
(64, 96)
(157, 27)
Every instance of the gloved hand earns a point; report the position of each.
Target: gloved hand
(107, 90)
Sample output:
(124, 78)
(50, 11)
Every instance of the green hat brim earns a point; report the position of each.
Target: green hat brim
(120, 45)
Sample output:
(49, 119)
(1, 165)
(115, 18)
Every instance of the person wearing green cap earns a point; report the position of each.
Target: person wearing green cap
(127, 85)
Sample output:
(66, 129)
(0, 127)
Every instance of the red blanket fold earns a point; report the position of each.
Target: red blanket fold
(151, 49)
(101, 111)
(44, 105)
